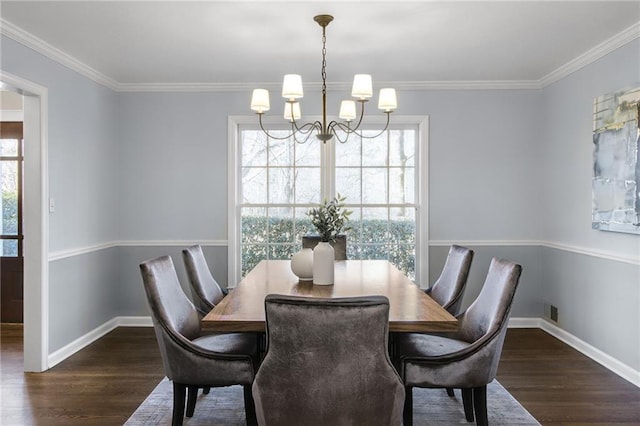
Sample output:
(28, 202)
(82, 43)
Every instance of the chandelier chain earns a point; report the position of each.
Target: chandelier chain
(324, 60)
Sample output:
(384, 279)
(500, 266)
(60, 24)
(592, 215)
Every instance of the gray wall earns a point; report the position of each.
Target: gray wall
(84, 181)
(83, 149)
(506, 167)
(482, 182)
(83, 295)
(598, 300)
(527, 302)
(131, 297)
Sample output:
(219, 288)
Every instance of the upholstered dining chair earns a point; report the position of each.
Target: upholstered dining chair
(190, 361)
(469, 359)
(449, 287)
(327, 363)
(205, 290)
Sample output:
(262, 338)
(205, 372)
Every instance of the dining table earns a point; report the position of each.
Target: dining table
(410, 308)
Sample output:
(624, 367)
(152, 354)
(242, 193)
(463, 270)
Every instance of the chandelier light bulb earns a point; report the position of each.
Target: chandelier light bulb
(362, 86)
(347, 110)
(288, 107)
(260, 100)
(387, 100)
(292, 87)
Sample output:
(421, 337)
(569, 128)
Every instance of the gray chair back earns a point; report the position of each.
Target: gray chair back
(204, 288)
(190, 360)
(485, 322)
(175, 319)
(327, 363)
(449, 287)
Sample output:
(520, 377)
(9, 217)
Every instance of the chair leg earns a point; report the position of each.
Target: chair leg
(179, 392)
(205, 391)
(480, 405)
(407, 413)
(467, 403)
(192, 394)
(249, 407)
(450, 392)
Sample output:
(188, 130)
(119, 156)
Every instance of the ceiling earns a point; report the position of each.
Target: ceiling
(178, 42)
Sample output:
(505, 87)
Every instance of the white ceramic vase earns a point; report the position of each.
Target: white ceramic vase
(323, 257)
(302, 264)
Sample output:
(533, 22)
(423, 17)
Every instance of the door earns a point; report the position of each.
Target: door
(11, 238)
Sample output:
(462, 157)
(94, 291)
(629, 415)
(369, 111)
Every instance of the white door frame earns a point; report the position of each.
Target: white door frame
(35, 220)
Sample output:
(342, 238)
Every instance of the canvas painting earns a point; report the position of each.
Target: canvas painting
(616, 162)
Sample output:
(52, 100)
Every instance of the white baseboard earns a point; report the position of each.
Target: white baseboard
(606, 360)
(524, 323)
(84, 341)
(81, 342)
(135, 322)
(609, 362)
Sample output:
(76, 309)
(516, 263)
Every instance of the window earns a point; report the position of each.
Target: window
(11, 163)
(275, 182)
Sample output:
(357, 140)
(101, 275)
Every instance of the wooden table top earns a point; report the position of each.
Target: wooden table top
(410, 309)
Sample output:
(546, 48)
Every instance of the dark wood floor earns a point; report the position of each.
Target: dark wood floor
(105, 382)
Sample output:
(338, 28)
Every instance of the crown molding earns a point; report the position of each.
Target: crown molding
(46, 49)
(192, 87)
(592, 55)
(341, 85)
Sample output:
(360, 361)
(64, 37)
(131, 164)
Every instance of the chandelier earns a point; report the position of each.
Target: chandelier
(292, 92)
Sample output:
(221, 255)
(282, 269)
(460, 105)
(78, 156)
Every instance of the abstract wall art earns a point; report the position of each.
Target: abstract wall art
(616, 162)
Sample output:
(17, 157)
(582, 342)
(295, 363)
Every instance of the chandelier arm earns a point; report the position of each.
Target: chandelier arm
(305, 128)
(374, 136)
(305, 138)
(345, 128)
(266, 132)
(362, 102)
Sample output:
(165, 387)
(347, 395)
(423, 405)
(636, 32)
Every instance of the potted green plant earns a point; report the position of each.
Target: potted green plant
(330, 219)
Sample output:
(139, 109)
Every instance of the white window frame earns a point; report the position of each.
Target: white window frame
(422, 196)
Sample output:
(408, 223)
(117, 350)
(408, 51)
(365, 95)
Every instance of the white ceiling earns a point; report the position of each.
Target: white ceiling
(259, 41)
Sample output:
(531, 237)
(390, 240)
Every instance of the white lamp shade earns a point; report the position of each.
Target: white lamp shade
(387, 100)
(296, 111)
(292, 87)
(260, 100)
(362, 86)
(348, 110)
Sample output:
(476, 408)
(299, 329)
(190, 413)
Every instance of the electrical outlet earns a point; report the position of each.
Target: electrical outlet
(52, 205)
(553, 313)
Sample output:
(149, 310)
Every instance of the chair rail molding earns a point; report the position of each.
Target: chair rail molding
(603, 254)
(77, 251)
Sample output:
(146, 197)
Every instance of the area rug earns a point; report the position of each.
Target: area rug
(225, 407)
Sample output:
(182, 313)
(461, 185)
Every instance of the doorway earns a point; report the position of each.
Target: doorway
(11, 234)
(34, 218)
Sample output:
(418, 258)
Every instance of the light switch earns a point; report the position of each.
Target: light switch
(52, 205)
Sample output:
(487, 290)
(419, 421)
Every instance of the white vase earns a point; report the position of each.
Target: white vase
(302, 264)
(323, 257)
